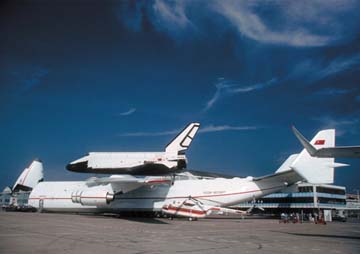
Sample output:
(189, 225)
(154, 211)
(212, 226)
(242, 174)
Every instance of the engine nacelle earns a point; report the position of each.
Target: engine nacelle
(92, 197)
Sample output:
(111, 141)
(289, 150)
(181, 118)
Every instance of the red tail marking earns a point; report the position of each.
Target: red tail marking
(320, 142)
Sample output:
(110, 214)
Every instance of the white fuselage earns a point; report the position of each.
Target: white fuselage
(56, 196)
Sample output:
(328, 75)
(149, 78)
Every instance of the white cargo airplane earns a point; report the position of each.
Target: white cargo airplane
(327, 152)
(188, 195)
(139, 163)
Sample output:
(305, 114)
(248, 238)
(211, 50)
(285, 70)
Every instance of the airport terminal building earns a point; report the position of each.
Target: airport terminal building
(302, 198)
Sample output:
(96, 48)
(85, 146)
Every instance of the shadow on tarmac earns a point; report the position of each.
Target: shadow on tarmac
(321, 235)
(144, 220)
(148, 220)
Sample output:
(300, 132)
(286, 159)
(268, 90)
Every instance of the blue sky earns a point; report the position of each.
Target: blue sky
(86, 76)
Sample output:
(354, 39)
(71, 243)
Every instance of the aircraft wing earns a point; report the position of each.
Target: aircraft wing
(286, 177)
(126, 183)
(328, 152)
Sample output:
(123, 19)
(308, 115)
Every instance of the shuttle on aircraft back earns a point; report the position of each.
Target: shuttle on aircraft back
(172, 160)
(181, 194)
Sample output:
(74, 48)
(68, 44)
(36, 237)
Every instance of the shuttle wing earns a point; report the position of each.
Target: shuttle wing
(327, 152)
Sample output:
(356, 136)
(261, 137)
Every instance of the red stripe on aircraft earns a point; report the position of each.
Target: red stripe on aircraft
(158, 181)
(175, 209)
(320, 142)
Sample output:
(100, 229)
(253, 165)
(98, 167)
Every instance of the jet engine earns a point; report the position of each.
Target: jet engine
(92, 197)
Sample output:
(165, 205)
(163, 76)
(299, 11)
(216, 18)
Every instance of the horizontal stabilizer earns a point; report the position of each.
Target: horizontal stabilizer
(327, 152)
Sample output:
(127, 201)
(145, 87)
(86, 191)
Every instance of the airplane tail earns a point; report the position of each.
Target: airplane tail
(182, 141)
(317, 170)
(30, 177)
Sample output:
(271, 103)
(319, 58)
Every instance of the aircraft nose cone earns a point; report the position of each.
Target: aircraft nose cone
(77, 167)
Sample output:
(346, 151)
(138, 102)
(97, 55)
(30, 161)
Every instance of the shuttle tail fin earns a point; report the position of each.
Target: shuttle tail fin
(317, 170)
(30, 177)
(183, 140)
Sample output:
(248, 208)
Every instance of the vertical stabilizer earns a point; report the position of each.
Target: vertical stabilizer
(30, 177)
(317, 170)
(183, 140)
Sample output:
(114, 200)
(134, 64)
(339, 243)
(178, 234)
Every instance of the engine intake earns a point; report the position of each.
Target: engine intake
(92, 197)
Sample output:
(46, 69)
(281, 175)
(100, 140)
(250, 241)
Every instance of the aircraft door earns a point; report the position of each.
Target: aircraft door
(41, 205)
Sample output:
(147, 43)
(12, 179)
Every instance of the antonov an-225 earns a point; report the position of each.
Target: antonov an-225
(184, 194)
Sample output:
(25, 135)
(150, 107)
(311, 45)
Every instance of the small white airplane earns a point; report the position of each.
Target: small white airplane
(321, 150)
(139, 163)
(184, 195)
(30, 177)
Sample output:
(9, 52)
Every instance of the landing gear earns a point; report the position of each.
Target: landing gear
(192, 219)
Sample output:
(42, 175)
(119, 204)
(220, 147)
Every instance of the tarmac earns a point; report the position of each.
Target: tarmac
(71, 233)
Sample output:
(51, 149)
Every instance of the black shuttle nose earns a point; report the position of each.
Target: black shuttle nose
(77, 167)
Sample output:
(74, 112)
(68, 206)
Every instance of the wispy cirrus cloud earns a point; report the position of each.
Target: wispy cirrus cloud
(30, 77)
(128, 112)
(248, 22)
(227, 88)
(218, 128)
(172, 13)
(341, 124)
(205, 129)
(311, 71)
(332, 91)
(290, 23)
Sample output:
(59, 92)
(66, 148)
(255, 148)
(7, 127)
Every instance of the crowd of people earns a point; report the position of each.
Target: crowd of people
(296, 218)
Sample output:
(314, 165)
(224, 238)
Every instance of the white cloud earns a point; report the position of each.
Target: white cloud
(338, 65)
(149, 134)
(341, 125)
(291, 23)
(333, 91)
(250, 24)
(29, 77)
(227, 88)
(172, 13)
(129, 112)
(310, 71)
(217, 128)
(205, 129)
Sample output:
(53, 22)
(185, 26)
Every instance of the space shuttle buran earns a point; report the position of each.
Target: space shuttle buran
(172, 160)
